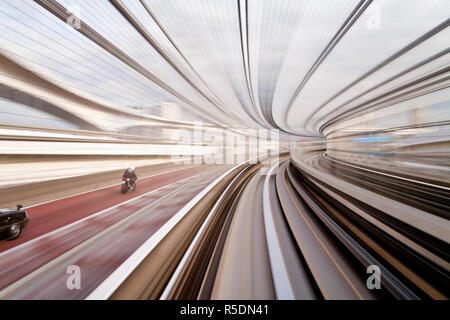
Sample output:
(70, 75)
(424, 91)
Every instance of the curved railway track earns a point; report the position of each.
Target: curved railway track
(288, 235)
(265, 230)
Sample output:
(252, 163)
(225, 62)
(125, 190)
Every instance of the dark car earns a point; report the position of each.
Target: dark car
(12, 221)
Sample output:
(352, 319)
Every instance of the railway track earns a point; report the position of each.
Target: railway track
(428, 197)
(287, 235)
(263, 230)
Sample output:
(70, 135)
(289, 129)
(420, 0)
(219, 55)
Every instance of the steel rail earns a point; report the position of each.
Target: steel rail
(392, 283)
(331, 270)
(280, 275)
(189, 270)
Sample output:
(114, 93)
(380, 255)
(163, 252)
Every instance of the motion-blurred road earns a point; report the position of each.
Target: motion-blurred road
(95, 230)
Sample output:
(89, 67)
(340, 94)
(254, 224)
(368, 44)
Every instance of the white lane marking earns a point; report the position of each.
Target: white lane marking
(115, 279)
(281, 283)
(387, 174)
(101, 188)
(176, 274)
(49, 234)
